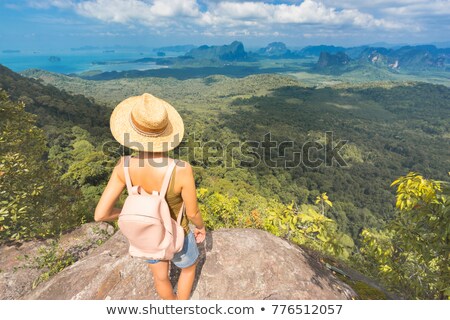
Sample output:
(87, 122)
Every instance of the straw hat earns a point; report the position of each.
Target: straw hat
(147, 123)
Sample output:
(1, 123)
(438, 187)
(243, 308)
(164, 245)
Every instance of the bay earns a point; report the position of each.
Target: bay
(78, 61)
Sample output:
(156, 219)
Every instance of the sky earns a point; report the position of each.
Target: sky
(64, 24)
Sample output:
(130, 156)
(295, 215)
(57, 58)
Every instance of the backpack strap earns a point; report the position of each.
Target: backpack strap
(180, 214)
(170, 190)
(172, 181)
(126, 166)
(166, 180)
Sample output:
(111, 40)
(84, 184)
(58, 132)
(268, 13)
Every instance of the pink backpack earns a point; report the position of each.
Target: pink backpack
(146, 222)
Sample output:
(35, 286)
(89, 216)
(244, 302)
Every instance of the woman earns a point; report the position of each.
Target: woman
(152, 127)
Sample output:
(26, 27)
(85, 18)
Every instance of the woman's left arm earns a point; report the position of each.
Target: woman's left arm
(105, 210)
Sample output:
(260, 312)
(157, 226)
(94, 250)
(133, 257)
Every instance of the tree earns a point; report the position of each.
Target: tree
(305, 225)
(413, 253)
(22, 146)
(32, 201)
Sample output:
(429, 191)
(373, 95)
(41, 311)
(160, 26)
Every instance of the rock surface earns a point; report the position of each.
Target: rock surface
(18, 269)
(234, 264)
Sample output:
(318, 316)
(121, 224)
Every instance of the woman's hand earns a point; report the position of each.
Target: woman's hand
(200, 234)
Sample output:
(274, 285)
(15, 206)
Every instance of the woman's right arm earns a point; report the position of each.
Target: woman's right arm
(189, 195)
(105, 210)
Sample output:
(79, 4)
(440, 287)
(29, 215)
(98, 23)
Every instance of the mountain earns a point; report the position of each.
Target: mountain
(408, 58)
(232, 52)
(277, 50)
(327, 60)
(53, 106)
(177, 48)
(376, 56)
(355, 52)
(274, 49)
(386, 45)
(317, 50)
(415, 58)
(422, 57)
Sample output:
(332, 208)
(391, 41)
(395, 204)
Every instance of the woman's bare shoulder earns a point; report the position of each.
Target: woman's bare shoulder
(184, 166)
(184, 169)
(118, 169)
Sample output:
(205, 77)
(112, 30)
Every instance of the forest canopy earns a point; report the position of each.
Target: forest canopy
(59, 142)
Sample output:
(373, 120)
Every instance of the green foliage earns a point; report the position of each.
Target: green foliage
(51, 259)
(302, 225)
(219, 211)
(412, 255)
(305, 225)
(21, 147)
(33, 202)
(392, 128)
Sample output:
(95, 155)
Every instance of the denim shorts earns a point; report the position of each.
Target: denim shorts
(187, 256)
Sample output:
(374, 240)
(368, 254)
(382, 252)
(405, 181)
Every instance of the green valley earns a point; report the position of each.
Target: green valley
(246, 133)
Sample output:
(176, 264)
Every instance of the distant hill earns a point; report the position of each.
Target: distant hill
(274, 49)
(317, 50)
(53, 106)
(178, 48)
(232, 52)
(408, 58)
(277, 50)
(332, 60)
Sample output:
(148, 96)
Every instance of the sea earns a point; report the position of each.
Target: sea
(80, 61)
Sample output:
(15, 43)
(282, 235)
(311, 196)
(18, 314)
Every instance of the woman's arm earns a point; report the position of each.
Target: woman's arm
(105, 210)
(189, 195)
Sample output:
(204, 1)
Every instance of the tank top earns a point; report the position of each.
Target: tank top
(174, 200)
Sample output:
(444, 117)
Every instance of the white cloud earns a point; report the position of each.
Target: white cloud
(406, 10)
(251, 17)
(428, 8)
(137, 11)
(173, 8)
(119, 11)
(243, 10)
(308, 12)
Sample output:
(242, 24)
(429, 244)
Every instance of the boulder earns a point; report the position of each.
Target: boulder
(234, 264)
(19, 268)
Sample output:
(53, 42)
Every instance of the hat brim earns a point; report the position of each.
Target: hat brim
(123, 131)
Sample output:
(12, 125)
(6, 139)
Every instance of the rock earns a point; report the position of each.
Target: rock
(253, 264)
(18, 266)
(330, 60)
(234, 264)
(82, 240)
(274, 49)
(232, 52)
(107, 273)
(16, 277)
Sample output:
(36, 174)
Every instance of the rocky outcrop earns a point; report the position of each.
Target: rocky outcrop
(20, 265)
(234, 264)
(327, 60)
(278, 50)
(232, 52)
